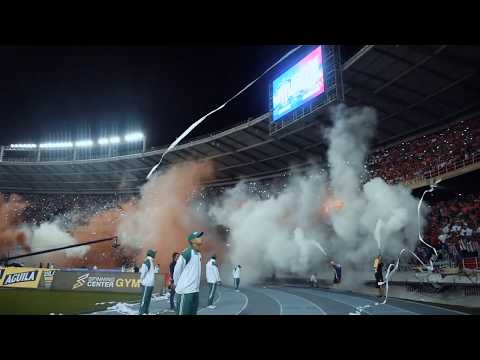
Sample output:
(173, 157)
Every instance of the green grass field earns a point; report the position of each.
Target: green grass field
(43, 302)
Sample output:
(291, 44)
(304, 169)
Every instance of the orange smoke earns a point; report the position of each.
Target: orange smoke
(10, 217)
(330, 204)
(163, 217)
(100, 226)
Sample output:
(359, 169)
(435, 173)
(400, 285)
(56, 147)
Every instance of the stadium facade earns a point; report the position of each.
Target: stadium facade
(415, 89)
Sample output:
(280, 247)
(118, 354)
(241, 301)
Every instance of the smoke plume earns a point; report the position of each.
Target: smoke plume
(164, 215)
(161, 219)
(322, 215)
(12, 238)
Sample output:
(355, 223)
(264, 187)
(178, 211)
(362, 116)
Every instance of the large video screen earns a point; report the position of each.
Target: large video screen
(299, 84)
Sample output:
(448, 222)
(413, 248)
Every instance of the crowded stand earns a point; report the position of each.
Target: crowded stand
(454, 227)
(416, 158)
(47, 207)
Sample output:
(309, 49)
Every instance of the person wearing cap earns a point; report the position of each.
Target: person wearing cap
(236, 277)
(186, 275)
(213, 278)
(147, 281)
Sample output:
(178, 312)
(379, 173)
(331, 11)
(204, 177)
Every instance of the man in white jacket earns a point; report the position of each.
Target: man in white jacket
(213, 278)
(236, 277)
(147, 281)
(186, 275)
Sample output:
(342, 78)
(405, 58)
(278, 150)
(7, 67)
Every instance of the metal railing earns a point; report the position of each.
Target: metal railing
(471, 263)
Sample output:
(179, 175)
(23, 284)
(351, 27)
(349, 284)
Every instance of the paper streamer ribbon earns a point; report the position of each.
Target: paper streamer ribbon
(390, 272)
(432, 188)
(199, 121)
(377, 234)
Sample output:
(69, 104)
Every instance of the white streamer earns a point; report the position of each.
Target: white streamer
(199, 121)
(395, 267)
(377, 234)
(320, 247)
(432, 188)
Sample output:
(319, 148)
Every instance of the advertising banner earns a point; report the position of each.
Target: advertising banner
(100, 281)
(21, 277)
(46, 279)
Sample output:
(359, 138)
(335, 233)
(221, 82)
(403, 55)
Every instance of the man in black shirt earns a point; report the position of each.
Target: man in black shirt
(379, 275)
(172, 285)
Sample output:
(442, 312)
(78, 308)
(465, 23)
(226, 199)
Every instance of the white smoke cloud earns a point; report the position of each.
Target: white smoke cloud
(50, 235)
(288, 231)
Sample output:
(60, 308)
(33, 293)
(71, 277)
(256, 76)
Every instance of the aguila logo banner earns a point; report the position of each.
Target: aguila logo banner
(21, 277)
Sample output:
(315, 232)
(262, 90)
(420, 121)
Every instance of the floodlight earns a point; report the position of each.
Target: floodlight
(114, 140)
(103, 141)
(137, 136)
(84, 143)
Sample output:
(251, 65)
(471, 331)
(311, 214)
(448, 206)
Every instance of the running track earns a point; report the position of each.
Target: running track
(285, 300)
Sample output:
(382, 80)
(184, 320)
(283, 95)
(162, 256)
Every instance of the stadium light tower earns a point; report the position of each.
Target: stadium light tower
(23, 146)
(134, 137)
(115, 140)
(56, 145)
(84, 143)
(103, 141)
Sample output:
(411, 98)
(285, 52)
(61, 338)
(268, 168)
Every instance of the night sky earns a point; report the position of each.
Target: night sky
(70, 93)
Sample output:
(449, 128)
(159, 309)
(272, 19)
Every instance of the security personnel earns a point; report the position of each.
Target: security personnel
(236, 277)
(147, 281)
(213, 278)
(186, 275)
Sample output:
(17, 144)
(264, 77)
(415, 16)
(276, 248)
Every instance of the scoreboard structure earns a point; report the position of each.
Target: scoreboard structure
(306, 88)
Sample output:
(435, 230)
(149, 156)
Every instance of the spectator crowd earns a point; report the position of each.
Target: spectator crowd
(426, 154)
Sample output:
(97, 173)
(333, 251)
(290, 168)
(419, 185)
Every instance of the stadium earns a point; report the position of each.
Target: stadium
(380, 158)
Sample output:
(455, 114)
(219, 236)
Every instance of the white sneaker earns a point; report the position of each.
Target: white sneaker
(237, 290)
(211, 306)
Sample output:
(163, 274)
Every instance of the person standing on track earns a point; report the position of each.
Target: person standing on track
(337, 269)
(186, 275)
(147, 281)
(379, 275)
(213, 279)
(236, 277)
(172, 284)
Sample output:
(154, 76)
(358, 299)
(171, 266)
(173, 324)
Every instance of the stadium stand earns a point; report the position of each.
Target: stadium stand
(47, 207)
(454, 226)
(420, 157)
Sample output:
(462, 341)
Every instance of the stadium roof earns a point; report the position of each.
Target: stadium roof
(414, 88)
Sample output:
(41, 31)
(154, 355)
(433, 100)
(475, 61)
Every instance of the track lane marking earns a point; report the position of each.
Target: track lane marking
(244, 305)
(322, 312)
